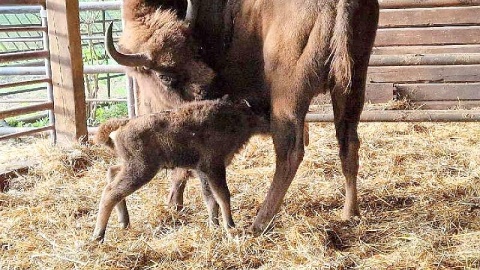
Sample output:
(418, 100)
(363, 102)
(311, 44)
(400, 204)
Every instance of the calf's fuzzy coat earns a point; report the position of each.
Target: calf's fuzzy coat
(201, 135)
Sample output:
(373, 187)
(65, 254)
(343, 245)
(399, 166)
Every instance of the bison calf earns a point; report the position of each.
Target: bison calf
(201, 135)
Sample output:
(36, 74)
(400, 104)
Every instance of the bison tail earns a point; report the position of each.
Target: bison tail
(340, 56)
(104, 134)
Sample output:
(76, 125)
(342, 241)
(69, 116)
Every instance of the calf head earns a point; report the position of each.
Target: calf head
(162, 56)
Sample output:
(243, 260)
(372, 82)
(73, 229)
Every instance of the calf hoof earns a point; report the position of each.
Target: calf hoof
(175, 204)
(125, 225)
(175, 199)
(213, 222)
(230, 225)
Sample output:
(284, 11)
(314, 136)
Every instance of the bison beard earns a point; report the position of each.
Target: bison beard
(280, 52)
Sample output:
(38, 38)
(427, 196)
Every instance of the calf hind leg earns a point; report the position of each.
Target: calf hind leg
(126, 181)
(216, 178)
(121, 207)
(178, 181)
(210, 202)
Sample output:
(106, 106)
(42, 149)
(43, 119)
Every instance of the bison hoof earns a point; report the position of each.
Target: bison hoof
(98, 236)
(259, 229)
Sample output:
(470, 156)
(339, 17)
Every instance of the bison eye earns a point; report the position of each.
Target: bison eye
(168, 80)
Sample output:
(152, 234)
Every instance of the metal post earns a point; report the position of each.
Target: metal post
(104, 27)
(48, 72)
(130, 97)
(130, 89)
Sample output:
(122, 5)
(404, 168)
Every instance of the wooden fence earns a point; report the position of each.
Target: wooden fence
(427, 52)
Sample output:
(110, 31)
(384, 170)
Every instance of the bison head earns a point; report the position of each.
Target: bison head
(162, 56)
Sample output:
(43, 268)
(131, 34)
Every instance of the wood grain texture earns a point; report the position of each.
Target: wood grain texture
(67, 70)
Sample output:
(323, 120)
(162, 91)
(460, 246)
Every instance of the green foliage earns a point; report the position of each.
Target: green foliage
(104, 113)
(13, 122)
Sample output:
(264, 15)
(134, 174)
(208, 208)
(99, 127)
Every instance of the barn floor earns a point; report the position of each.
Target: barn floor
(419, 195)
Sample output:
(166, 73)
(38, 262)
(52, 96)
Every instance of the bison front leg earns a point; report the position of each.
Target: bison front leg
(288, 138)
(179, 179)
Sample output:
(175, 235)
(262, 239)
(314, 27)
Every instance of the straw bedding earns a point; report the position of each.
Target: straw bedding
(419, 187)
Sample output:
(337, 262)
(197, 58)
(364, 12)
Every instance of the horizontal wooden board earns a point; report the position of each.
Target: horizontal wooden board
(399, 74)
(439, 49)
(439, 91)
(379, 92)
(404, 116)
(446, 105)
(428, 36)
(23, 2)
(426, 3)
(429, 17)
(374, 93)
(425, 59)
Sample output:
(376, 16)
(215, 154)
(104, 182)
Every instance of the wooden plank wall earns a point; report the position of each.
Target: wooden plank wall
(447, 32)
(428, 52)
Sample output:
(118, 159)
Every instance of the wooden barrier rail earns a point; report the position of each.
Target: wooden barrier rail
(15, 134)
(23, 29)
(23, 2)
(24, 110)
(430, 17)
(22, 83)
(405, 116)
(426, 3)
(428, 59)
(19, 56)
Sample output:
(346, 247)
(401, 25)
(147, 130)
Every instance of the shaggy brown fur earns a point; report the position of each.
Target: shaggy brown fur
(176, 75)
(283, 52)
(202, 135)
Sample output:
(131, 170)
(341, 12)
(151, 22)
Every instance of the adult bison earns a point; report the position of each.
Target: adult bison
(283, 52)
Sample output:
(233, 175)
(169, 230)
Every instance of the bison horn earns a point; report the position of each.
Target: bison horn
(192, 11)
(130, 60)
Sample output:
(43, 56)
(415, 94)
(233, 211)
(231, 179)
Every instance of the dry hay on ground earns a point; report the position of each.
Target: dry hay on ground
(419, 196)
